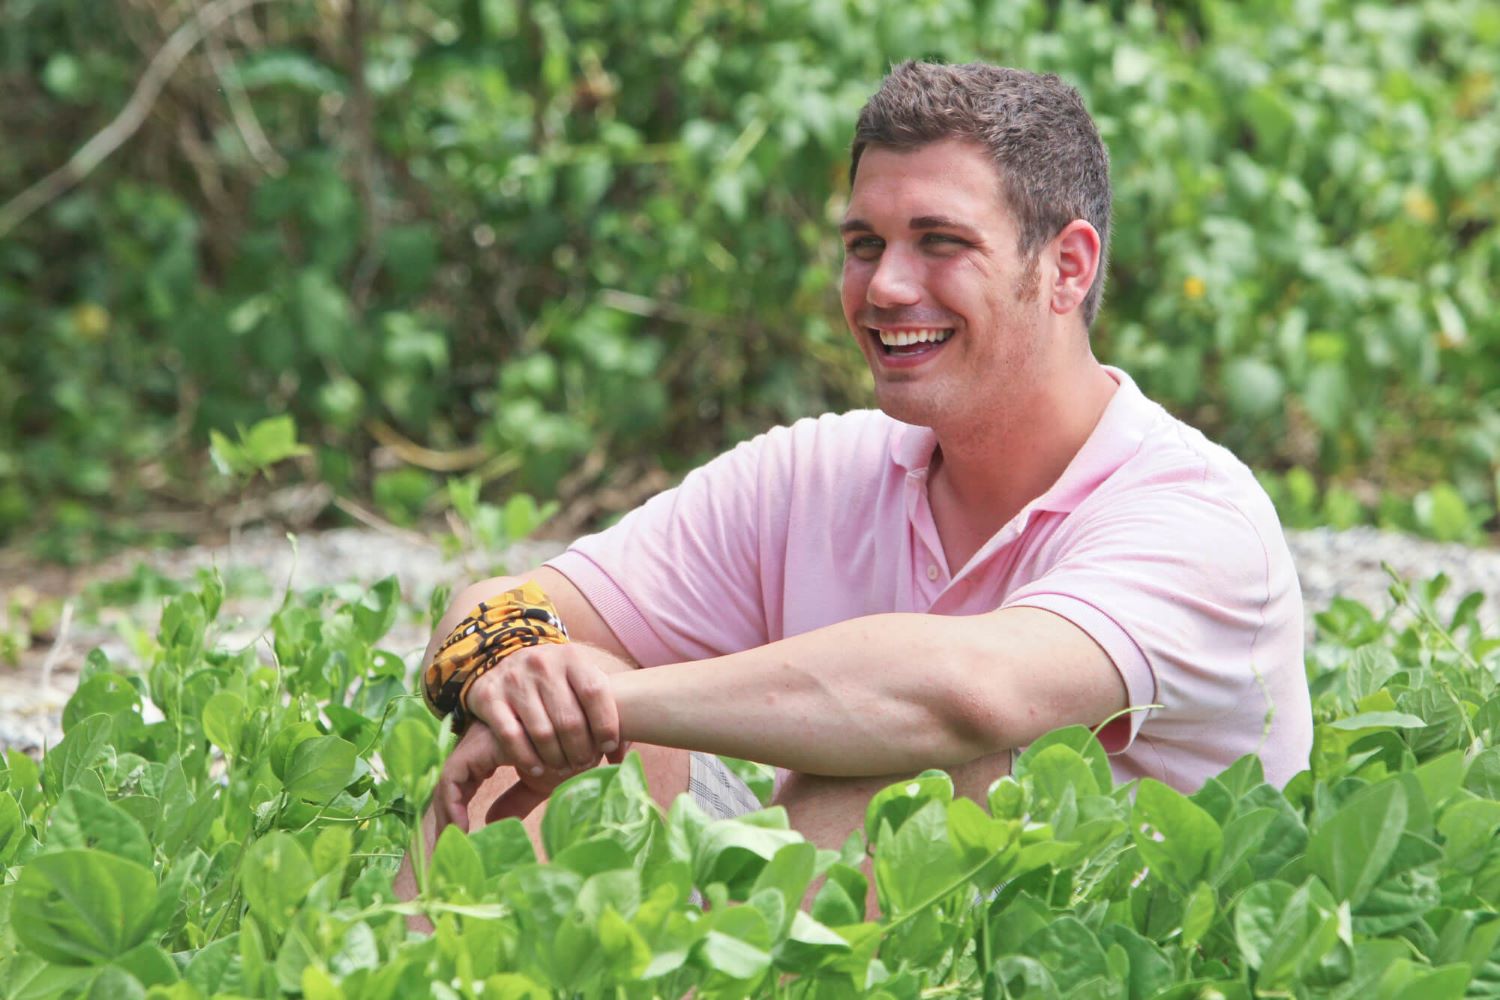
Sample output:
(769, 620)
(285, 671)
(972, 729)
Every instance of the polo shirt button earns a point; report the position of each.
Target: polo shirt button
(932, 571)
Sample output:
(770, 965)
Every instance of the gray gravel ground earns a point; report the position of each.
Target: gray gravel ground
(1330, 563)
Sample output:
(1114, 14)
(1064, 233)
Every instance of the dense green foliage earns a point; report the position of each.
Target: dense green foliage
(220, 824)
(527, 234)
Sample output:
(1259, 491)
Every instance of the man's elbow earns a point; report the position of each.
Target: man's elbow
(977, 718)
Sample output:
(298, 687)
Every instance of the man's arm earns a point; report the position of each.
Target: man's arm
(880, 695)
(584, 625)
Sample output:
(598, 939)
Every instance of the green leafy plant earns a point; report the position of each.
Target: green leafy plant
(257, 449)
(591, 238)
(243, 844)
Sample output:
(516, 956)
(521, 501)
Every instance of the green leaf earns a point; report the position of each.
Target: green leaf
(1281, 930)
(78, 751)
(1483, 777)
(410, 752)
(114, 983)
(224, 721)
(1060, 777)
(575, 809)
(731, 956)
(1443, 514)
(85, 819)
(1378, 720)
(1070, 952)
(789, 873)
(626, 953)
(734, 851)
(1243, 837)
(1255, 390)
(456, 866)
(894, 804)
(79, 907)
(1349, 850)
(12, 828)
(319, 768)
(1177, 839)
(841, 900)
(916, 861)
(331, 849)
(1198, 915)
(1151, 971)
(503, 846)
(376, 611)
(150, 965)
(275, 877)
(284, 68)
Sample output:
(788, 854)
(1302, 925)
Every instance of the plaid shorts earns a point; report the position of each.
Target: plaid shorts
(719, 791)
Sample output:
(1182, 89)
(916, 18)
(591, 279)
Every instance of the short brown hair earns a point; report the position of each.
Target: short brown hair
(1053, 166)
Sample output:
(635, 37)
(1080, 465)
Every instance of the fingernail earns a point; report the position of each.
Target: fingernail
(537, 772)
(609, 746)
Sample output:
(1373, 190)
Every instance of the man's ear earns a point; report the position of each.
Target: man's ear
(1077, 250)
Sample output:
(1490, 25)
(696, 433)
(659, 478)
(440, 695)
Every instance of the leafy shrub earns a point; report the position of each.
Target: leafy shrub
(243, 844)
(566, 227)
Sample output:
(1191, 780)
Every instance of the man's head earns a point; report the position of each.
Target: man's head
(1052, 165)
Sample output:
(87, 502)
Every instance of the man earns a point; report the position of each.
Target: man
(1018, 541)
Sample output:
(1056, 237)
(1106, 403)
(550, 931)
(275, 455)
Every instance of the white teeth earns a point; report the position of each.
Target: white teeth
(905, 338)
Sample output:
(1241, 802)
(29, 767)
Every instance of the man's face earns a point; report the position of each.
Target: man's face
(934, 289)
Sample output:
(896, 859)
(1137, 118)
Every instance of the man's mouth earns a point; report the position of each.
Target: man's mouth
(908, 343)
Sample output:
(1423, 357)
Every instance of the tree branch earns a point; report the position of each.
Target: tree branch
(130, 118)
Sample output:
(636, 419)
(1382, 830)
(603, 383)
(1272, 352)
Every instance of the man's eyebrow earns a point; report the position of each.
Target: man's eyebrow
(917, 222)
(938, 222)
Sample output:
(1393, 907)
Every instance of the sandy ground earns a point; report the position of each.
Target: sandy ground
(259, 563)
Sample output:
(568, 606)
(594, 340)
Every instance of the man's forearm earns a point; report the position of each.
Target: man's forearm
(874, 695)
(879, 695)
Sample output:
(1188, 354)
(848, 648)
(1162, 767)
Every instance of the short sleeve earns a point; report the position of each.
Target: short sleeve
(1192, 604)
(678, 578)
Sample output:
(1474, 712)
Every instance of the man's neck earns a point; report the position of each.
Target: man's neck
(983, 476)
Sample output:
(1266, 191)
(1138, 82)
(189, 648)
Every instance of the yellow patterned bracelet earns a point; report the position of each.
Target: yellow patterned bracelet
(516, 619)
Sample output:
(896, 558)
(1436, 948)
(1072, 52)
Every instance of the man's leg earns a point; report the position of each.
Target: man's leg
(827, 810)
(666, 776)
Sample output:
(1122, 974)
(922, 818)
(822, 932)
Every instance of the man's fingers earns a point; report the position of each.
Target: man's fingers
(570, 724)
(530, 711)
(457, 779)
(516, 747)
(516, 802)
(591, 688)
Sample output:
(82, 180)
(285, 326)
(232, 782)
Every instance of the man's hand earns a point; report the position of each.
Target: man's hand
(547, 711)
(476, 757)
(550, 708)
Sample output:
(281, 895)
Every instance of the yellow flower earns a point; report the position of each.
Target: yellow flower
(91, 321)
(1419, 205)
(1193, 287)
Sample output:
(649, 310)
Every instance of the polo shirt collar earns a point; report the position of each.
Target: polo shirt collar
(1118, 435)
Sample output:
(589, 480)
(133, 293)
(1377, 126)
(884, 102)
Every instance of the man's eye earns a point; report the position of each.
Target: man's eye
(944, 239)
(865, 247)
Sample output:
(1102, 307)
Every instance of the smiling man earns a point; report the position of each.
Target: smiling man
(1016, 540)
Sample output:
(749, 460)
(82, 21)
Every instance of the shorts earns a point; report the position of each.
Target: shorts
(717, 790)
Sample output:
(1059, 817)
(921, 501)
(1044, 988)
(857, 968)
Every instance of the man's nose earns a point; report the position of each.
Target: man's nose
(896, 281)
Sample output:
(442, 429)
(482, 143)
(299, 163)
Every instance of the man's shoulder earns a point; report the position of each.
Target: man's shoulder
(1176, 459)
(1174, 449)
(853, 436)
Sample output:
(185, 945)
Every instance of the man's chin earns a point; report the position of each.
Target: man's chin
(908, 407)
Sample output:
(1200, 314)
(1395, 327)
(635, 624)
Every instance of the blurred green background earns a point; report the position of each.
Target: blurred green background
(573, 248)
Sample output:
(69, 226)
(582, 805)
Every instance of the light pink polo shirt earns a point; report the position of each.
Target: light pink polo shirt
(1156, 542)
